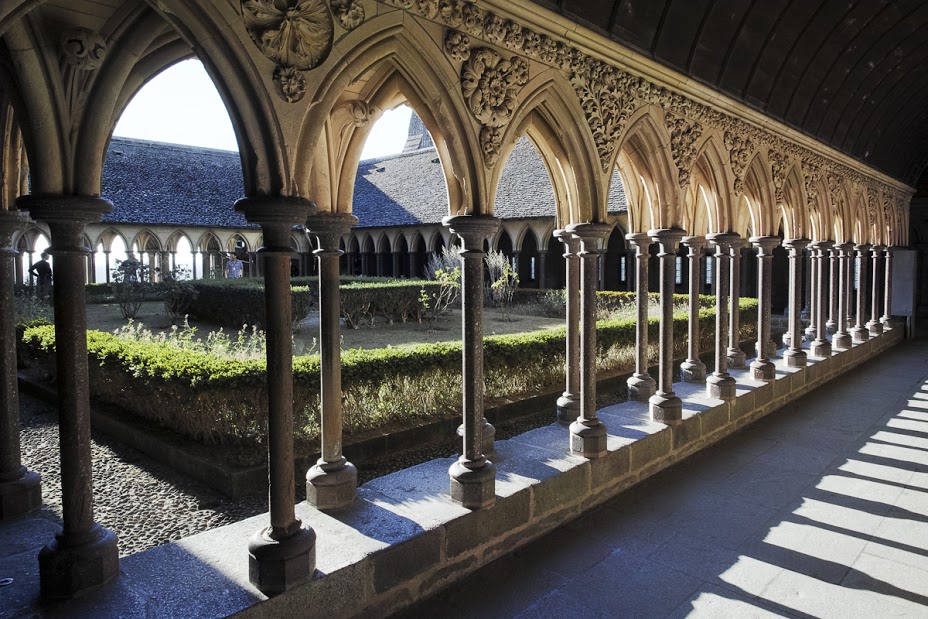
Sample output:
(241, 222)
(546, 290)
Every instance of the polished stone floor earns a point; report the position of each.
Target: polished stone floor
(820, 510)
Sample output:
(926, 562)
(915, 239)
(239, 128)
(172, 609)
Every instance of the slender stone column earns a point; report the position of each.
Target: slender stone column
(473, 477)
(834, 290)
(332, 482)
(820, 347)
(541, 270)
(886, 319)
(736, 356)
(397, 264)
(860, 333)
(665, 406)
(641, 386)
(721, 384)
(693, 370)
(283, 555)
(380, 260)
(812, 283)
(841, 338)
(587, 432)
(568, 405)
(874, 325)
(795, 355)
(20, 488)
(83, 555)
(762, 368)
(109, 274)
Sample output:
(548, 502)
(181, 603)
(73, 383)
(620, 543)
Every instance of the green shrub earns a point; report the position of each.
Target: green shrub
(222, 400)
(236, 302)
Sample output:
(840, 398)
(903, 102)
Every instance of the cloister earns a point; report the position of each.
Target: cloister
(702, 167)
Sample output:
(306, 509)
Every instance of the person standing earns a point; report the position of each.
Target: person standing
(234, 267)
(43, 271)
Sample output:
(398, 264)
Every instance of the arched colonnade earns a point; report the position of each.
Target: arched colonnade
(480, 76)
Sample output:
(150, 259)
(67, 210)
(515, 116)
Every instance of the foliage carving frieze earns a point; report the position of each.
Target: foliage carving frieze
(811, 175)
(609, 95)
(683, 137)
(740, 149)
(778, 164)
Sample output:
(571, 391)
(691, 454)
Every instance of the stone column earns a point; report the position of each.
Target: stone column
(83, 555)
(841, 338)
(721, 384)
(665, 406)
(193, 263)
(283, 555)
(860, 333)
(795, 355)
(820, 346)
(874, 326)
(473, 477)
(762, 368)
(834, 290)
(365, 263)
(587, 432)
(568, 405)
(379, 263)
(106, 260)
(350, 268)
(541, 269)
(736, 356)
(641, 385)
(397, 264)
(413, 264)
(20, 488)
(812, 283)
(693, 370)
(332, 482)
(886, 319)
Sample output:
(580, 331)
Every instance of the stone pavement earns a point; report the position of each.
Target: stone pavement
(819, 510)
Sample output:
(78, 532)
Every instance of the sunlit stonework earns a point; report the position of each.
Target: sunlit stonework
(349, 13)
(291, 85)
(491, 86)
(292, 33)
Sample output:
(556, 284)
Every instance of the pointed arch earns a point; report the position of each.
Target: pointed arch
(758, 197)
(793, 205)
(707, 197)
(648, 174)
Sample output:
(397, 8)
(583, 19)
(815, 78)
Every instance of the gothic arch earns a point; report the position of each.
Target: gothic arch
(707, 196)
(793, 206)
(648, 174)
(758, 197)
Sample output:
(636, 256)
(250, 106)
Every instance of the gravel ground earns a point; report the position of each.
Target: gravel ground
(147, 504)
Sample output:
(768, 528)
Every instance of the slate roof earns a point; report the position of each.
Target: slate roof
(157, 183)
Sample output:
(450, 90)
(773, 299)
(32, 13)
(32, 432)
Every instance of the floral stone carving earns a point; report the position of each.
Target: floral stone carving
(607, 97)
(740, 148)
(292, 33)
(83, 49)
(291, 85)
(349, 13)
(683, 137)
(777, 173)
(457, 45)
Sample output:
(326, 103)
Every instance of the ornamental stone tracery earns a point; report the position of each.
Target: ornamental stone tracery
(777, 173)
(683, 137)
(740, 149)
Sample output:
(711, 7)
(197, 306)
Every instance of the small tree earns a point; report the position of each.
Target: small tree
(177, 292)
(503, 281)
(436, 301)
(130, 286)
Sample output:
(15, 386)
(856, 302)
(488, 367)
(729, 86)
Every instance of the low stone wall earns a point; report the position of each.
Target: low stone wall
(403, 539)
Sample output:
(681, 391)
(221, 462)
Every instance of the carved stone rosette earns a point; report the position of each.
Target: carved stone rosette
(457, 45)
(82, 49)
(296, 34)
(348, 13)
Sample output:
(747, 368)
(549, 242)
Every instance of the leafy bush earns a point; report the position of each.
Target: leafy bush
(236, 302)
(177, 292)
(131, 286)
(503, 283)
(222, 400)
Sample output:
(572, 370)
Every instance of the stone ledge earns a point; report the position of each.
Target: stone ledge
(404, 538)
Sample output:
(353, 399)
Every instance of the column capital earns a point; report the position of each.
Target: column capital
(890, 250)
(862, 248)
(638, 239)
(668, 238)
(878, 248)
(589, 232)
(276, 215)
(570, 240)
(795, 245)
(694, 243)
(10, 223)
(473, 229)
(329, 228)
(764, 244)
(723, 240)
(822, 246)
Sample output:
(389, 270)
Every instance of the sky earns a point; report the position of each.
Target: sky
(181, 106)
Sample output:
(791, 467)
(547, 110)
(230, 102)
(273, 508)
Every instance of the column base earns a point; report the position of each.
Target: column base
(763, 369)
(641, 387)
(666, 408)
(841, 340)
(830, 327)
(875, 328)
(770, 349)
(693, 371)
(736, 358)
(821, 348)
(721, 387)
(887, 322)
(860, 335)
(332, 488)
(809, 333)
(473, 488)
(488, 442)
(568, 408)
(588, 438)
(67, 569)
(275, 566)
(795, 358)
(21, 495)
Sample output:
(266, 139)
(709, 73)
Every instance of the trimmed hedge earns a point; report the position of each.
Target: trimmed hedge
(222, 401)
(236, 302)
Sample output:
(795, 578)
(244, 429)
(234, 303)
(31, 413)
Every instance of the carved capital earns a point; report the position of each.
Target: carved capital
(329, 228)
(472, 229)
(722, 241)
(764, 245)
(276, 215)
